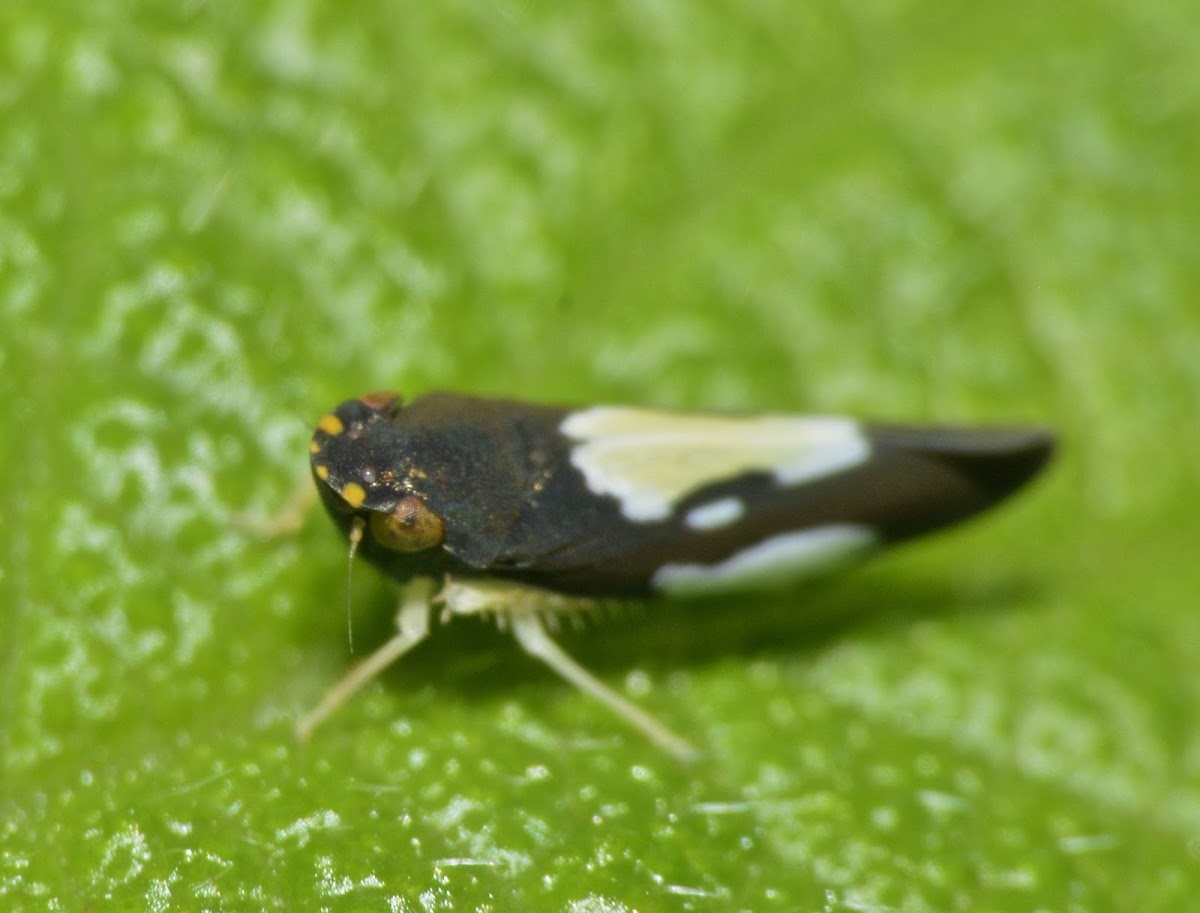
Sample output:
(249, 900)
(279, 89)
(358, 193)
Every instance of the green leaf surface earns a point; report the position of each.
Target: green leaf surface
(217, 220)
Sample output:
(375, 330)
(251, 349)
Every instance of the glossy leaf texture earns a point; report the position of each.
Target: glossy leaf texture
(219, 220)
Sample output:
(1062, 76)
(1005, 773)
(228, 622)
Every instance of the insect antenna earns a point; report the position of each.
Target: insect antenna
(356, 533)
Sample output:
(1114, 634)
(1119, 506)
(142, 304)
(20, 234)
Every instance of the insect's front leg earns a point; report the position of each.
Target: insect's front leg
(285, 520)
(412, 623)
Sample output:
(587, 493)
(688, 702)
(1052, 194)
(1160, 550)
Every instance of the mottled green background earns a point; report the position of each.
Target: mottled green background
(219, 219)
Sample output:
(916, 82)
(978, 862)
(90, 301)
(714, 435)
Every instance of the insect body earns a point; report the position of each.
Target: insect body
(523, 510)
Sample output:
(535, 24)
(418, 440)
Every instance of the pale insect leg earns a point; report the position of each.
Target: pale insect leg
(284, 521)
(412, 620)
(532, 636)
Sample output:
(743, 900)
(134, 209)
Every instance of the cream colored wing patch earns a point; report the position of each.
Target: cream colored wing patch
(650, 460)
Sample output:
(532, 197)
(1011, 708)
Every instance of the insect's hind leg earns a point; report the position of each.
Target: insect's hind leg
(532, 636)
(412, 621)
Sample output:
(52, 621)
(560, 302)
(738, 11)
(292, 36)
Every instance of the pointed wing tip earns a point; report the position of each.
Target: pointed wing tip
(1006, 459)
(1009, 456)
(1014, 457)
(941, 476)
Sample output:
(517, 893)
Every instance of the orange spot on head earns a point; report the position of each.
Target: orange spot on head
(314, 447)
(380, 400)
(354, 494)
(331, 424)
(322, 473)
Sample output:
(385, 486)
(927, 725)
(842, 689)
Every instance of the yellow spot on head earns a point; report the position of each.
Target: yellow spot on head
(323, 473)
(354, 494)
(331, 424)
(314, 447)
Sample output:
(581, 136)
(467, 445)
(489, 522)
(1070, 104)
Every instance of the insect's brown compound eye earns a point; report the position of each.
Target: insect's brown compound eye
(411, 527)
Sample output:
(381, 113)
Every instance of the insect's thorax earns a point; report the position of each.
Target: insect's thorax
(467, 468)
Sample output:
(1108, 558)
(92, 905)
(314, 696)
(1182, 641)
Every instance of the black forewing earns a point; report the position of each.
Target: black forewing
(914, 481)
(500, 475)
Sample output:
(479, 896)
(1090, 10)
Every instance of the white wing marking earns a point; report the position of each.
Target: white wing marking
(715, 514)
(783, 557)
(649, 460)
